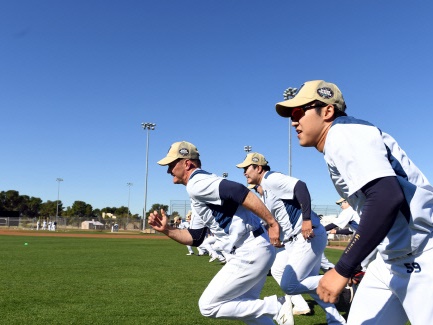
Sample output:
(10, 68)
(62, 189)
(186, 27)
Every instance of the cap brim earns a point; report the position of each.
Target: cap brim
(243, 164)
(339, 201)
(166, 160)
(284, 108)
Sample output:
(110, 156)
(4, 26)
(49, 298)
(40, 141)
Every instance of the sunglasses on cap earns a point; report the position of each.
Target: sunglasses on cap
(299, 112)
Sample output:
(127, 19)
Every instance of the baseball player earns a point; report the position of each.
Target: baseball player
(185, 225)
(231, 213)
(297, 264)
(347, 217)
(393, 198)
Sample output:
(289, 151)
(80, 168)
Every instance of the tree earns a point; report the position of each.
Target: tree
(48, 209)
(157, 207)
(10, 200)
(81, 209)
(30, 206)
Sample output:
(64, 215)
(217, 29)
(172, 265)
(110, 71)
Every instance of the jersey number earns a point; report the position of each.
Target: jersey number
(412, 267)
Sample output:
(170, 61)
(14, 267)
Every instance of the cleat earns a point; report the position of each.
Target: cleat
(301, 311)
(285, 315)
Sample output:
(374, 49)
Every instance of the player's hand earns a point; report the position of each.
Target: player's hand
(158, 221)
(307, 229)
(274, 235)
(331, 285)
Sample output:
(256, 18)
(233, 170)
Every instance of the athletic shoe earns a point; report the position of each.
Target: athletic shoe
(285, 315)
(189, 254)
(345, 299)
(212, 259)
(299, 311)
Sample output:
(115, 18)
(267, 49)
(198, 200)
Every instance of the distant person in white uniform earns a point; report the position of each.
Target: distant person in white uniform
(297, 264)
(185, 225)
(392, 197)
(348, 218)
(231, 212)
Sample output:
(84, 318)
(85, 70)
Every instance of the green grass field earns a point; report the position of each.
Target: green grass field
(61, 280)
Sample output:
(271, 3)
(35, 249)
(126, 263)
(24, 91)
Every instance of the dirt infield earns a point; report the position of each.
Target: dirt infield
(61, 233)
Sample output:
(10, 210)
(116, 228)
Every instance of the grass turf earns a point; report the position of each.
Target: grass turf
(63, 280)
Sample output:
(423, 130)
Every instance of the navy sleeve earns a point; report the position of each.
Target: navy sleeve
(384, 197)
(330, 226)
(198, 235)
(303, 196)
(233, 191)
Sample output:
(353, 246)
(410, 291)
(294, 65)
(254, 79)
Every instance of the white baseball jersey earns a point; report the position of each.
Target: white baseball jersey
(278, 196)
(347, 217)
(357, 153)
(184, 225)
(230, 223)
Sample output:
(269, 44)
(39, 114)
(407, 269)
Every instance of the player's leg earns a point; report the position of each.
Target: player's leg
(300, 306)
(325, 264)
(190, 251)
(234, 291)
(374, 302)
(417, 294)
(301, 274)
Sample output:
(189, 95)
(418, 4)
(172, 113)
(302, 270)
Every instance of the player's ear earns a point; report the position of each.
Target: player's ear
(328, 112)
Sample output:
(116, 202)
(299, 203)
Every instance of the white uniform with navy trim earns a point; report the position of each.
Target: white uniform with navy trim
(403, 269)
(235, 290)
(347, 217)
(185, 225)
(297, 264)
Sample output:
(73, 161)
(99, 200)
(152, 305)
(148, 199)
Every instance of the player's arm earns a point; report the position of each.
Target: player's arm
(302, 195)
(345, 231)
(384, 197)
(242, 195)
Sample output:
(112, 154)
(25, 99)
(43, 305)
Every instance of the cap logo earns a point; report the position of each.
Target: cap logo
(325, 92)
(255, 159)
(184, 152)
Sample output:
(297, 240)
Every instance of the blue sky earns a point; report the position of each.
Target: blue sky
(77, 79)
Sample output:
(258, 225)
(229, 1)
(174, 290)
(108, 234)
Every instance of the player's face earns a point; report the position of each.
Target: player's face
(252, 174)
(177, 170)
(311, 128)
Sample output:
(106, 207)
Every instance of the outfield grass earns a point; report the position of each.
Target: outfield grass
(59, 280)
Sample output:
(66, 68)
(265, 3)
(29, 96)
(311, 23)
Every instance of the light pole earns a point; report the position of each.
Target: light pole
(247, 149)
(129, 195)
(225, 175)
(58, 196)
(147, 127)
(288, 94)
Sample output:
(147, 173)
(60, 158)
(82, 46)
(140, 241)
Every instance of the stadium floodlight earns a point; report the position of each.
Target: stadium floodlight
(147, 127)
(58, 197)
(225, 175)
(247, 149)
(289, 93)
(129, 195)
